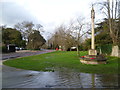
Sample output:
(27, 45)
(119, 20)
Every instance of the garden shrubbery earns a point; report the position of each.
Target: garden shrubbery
(4, 49)
(105, 49)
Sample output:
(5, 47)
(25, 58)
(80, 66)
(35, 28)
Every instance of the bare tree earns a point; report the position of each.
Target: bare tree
(112, 17)
(39, 27)
(71, 35)
(79, 30)
(111, 10)
(25, 28)
(62, 38)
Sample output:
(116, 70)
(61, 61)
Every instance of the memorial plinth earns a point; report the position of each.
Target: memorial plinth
(93, 57)
(92, 52)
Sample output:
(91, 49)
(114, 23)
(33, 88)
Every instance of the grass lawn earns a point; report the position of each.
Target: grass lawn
(62, 59)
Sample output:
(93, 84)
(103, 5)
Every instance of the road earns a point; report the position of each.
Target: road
(13, 77)
(23, 53)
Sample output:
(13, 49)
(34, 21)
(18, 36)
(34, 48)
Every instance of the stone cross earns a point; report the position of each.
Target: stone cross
(93, 37)
(92, 51)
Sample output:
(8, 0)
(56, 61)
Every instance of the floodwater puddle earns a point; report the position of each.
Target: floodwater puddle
(58, 79)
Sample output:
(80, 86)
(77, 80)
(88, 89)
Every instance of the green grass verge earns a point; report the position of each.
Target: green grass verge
(61, 59)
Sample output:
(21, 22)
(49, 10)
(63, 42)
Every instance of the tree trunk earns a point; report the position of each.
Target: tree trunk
(115, 51)
(115, 48)
(78, 53)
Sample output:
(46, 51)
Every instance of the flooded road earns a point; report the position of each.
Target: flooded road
(17, 78)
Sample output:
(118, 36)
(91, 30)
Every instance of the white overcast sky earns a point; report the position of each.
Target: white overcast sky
(49, 13)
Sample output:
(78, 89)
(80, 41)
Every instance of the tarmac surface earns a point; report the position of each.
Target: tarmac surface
(23, 53)
(13, 77)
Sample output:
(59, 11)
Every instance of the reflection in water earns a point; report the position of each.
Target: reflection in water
(107, 80)
(62, 78)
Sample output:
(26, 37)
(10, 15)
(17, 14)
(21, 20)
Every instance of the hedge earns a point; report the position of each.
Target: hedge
(105, 49)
